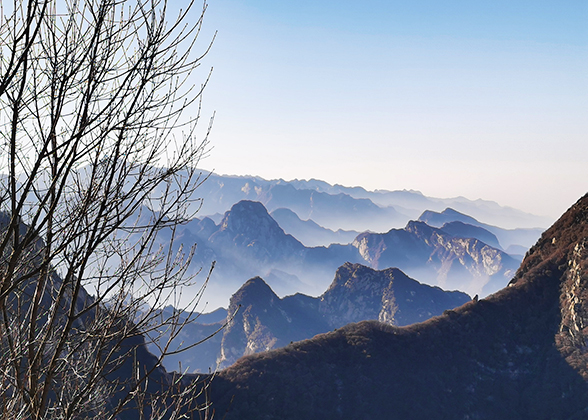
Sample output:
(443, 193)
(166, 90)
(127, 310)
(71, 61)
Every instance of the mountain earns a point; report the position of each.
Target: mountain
(309, 232)
(464, 230)
(436, 257)
(351, 208)
(261, 321)
(412, 203)
(249, 243)
(518, 354)
(507, 237)
(361, 293)
(332, 211)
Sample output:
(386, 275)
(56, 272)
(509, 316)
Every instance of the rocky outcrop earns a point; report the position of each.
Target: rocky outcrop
(360, 293)
(435, 257)
(249, 228)
(262, 321)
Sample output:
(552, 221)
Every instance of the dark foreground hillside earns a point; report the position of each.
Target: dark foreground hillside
(519, 354)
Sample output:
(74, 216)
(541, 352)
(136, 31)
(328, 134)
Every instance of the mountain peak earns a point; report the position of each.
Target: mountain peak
(255, 289)
(249, 224)
(248, 215)
(451, 212)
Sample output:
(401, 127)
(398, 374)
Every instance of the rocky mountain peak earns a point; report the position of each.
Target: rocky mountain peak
(249, 218)
(421, 229)
(254, 290)
(358, 293)
(249, 226)
(390, 296)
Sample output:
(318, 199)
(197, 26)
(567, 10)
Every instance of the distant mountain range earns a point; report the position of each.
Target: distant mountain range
(249, 242)
(259, 320)
(512, 240)
(309, 232)
(518, 354)
(349, 208)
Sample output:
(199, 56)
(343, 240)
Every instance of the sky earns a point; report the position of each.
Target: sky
(482, 99)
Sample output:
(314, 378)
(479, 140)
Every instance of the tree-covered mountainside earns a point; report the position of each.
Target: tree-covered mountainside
(518, 354)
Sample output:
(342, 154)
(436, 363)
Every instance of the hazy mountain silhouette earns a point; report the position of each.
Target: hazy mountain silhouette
(351, 208)
(259, 320)
(518, 354)
(249, 242)
(309, 232)
(507, 237)
(413, 203)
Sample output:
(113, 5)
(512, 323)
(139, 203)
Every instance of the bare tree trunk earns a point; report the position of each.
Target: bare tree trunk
(92, 167)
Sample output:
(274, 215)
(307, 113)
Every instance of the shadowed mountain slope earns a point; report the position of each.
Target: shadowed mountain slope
(263, 321)
(519, 354)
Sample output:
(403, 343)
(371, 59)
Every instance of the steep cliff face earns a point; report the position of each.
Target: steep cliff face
(519, 354)
(259, 322)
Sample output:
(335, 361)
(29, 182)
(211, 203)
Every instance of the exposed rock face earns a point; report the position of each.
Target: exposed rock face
(360, 293)
(518, 354)
(436, 257)
(263, 321)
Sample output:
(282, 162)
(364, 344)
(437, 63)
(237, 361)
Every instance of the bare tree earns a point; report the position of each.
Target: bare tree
(93, 94)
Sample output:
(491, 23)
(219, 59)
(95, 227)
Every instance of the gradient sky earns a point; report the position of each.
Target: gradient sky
(484, 99)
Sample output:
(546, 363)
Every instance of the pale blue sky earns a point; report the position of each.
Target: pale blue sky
(485, 99)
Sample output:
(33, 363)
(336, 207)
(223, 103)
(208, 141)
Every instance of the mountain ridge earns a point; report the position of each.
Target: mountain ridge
(518, 354)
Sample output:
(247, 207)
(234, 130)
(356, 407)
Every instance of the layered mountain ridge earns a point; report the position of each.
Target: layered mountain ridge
(249, 243)
(518, 354)
(350, 208)
(508, 238)
(263, 321)
(258, 320)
